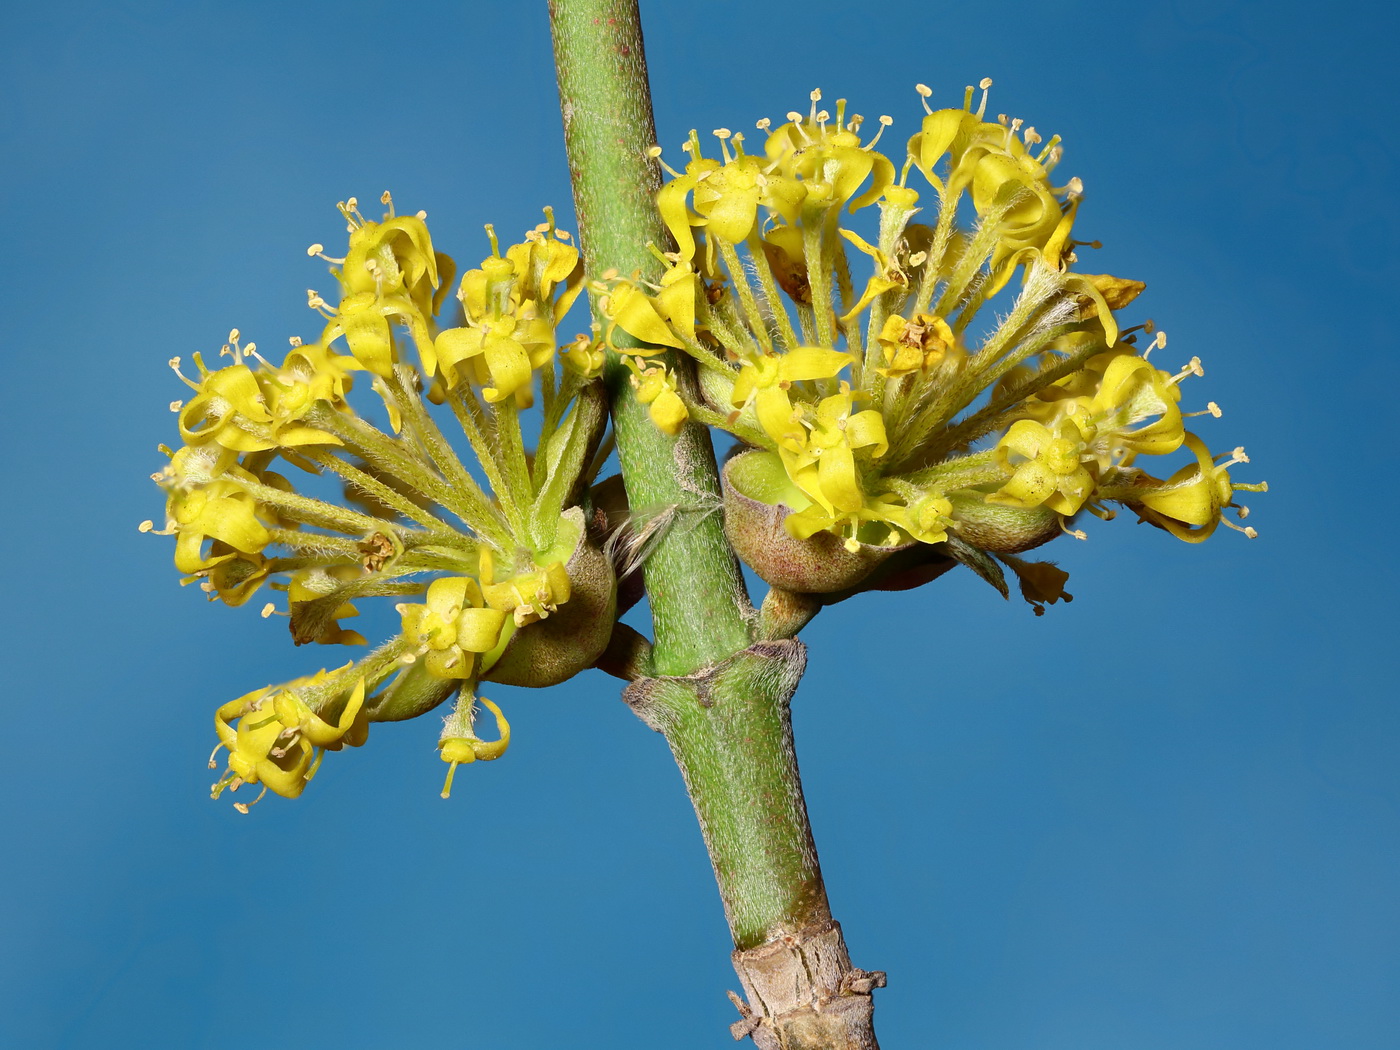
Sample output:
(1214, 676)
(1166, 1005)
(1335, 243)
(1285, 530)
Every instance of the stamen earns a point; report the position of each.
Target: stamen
(764, 124)
(388, 201)
(294, 340)
(1191, 368)
(723, 134)
(243, 807)
(174, 363)
(1248, 530)
(1078, 534)
(885, 121)
(984, 84)
(319, 249)
(314, 300)
(924, 92)
(268, 610)
(175, 406)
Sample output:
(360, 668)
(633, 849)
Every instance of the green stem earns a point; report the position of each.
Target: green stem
(722, 705)
(698, 601)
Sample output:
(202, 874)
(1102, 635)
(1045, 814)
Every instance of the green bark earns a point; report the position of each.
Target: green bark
(720, 698)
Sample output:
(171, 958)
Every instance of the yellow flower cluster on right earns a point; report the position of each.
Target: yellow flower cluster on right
(893, 417)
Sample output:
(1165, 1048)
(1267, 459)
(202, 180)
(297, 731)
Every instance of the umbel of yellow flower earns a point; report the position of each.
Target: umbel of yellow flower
(491, 566)
(866, 367)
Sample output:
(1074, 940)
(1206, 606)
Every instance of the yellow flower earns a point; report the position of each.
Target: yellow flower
(829, 158)
(1113, 420)
(452, 628)
(528, 596)
(727, 198)
(671, 198)
(363, 319)
(1047, 467)
(218, 510)
(543, 262)
(823, 464)
(764, 383)
(506, 361)
(584, 355)
(887, 276)
(227, 408)
(1190, 503)
(278, 739)
(313, 618)
(921, 344)
(635, 312)
(460, 744)
(656, 387)
(390, 258)
(926, 519)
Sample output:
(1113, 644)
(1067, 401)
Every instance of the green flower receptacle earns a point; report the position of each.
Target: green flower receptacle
(1002, 529)
(758, 497)
(570, 639)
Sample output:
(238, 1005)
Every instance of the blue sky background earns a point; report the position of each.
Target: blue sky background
(1162, 817)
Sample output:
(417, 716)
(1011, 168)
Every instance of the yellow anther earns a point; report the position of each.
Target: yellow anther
(146, 526)
(268, 610)
(315, 250)
(233, 336)
(175, 406)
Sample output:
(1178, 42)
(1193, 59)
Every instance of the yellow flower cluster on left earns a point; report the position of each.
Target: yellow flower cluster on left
(475, 556)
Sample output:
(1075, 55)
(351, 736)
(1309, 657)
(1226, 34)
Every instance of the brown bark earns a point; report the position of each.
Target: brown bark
(804, 994)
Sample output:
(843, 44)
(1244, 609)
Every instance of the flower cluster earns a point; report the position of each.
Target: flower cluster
(874, 411)
(495, 572)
